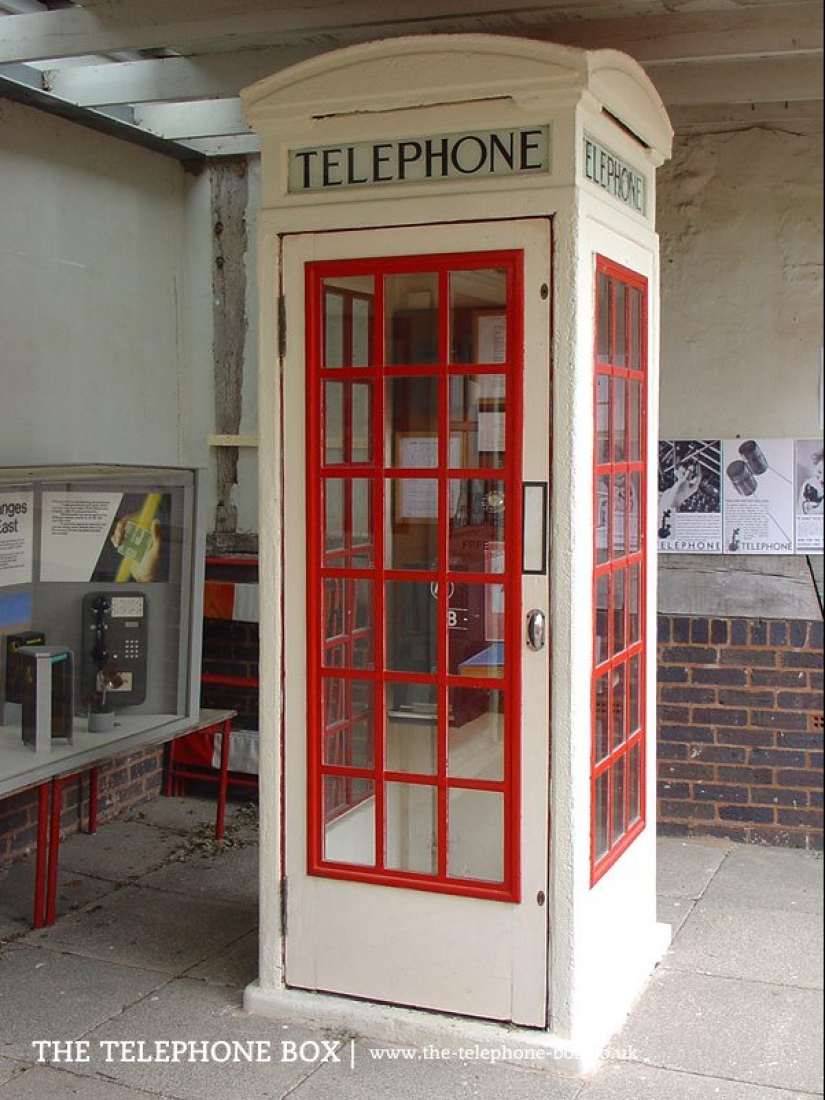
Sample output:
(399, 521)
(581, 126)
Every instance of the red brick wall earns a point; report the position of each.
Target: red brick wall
(740, 729)
(123, 784)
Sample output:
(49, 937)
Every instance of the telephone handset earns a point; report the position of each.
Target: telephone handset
(115, 641)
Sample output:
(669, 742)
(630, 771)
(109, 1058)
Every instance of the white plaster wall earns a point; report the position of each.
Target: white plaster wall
(741, 224)
(105, 305)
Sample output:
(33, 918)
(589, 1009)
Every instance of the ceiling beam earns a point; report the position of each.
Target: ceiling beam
(193, 26)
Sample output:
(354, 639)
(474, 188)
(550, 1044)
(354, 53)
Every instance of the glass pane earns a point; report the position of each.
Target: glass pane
(617, 797)
(600, 814)
(476, 835)
(349, 820)
(619, 516)
(634, 621)
(347, 422)
(412, 828)
(635, 512)
(475, 747)
(348, 321)
(347, 522)
(619, 633)
(636, 329)
(412, 728)
(411, 416)
(619, 732)
(619, 352)
(411, 610)
(634, 715)
(603, 547)
(349, 743)
(634, 764)
(477, 316)
(411, 319)
(604, 319)
(604, 448)
(348, 623)
(476, 630)
(477, 527)
(634, 400)
(478, 416)
(412, 540)
(602, 697)
(619, 429)
(602, 638)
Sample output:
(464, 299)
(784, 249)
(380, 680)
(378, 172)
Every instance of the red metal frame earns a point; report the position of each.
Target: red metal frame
(338, 566)
(619, 556)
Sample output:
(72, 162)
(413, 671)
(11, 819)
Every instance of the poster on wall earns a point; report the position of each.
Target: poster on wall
(809, 495)
(16, 535)
(104, 536)
(757, 496)
(689, 516)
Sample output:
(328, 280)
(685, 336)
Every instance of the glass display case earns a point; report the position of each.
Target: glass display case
(104, 563)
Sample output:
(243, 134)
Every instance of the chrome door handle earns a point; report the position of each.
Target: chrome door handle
(536, 629)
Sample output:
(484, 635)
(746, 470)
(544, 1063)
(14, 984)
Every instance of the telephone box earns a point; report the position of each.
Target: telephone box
(458, 415)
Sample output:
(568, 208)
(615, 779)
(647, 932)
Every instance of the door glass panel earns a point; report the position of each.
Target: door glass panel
(634, 512)
(620, 352)
(349, 820)
(478, 419)
(603, 418)
(348, 321)
(602, 704)
(412, 728)
(411, 416)
(619, 516)
(636, 328)
(635, 777)
(475, 747)
(412, 828)
(477, 316)
(618, 610)
(604, 311)
(348, 533)
(411, 626)
(412, 539)
(476, 835)
(477, 527)
(619, 719)
(634, 625)
(619, 430)
(350, 741)
(634, 717)
(602, 518)
(476, 633)
(602, 636)
(634, 400)
(347, 422)
(617, 797)
(411, 319)
(600, 833)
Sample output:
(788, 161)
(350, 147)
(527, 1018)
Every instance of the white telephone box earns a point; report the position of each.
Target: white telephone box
(458, 396)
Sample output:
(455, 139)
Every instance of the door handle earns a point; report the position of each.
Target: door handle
(536, 629)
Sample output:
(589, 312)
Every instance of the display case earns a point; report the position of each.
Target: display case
(105, 562)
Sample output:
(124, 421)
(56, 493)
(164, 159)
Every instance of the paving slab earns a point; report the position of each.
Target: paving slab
(74, 890)
(119, 851)
(9, 1069)
(760, 945)
(626, 1081)
(673, 911)
(722, 1027)
(47, 995)
(372, 1072)
(769, 878)
(181, 815)
(152, 929)
(234, 966)
(230, 874)
(685, 867)
(45, 1083)
(210, 1017)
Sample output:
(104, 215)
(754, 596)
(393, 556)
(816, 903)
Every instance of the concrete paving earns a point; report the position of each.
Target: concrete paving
(156, 938)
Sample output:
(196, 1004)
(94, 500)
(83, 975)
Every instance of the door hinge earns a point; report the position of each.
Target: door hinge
(281, 325)
(284, 905)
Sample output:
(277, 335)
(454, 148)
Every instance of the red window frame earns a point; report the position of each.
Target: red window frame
(618, 688)
(351, 781)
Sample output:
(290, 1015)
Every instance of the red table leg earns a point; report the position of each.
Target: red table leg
(223, 784)
(41, 853)
(54, 849)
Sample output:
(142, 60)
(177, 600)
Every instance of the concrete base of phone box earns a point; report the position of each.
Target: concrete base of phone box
(490, 1042)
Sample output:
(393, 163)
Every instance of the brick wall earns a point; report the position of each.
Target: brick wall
(123, 784)
(740, 729)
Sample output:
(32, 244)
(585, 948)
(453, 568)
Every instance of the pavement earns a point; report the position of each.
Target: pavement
(156, 938)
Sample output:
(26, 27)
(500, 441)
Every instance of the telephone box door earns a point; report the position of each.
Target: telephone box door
(416, 421)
